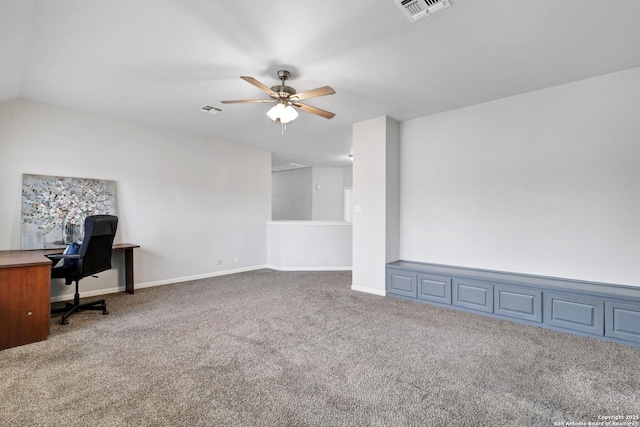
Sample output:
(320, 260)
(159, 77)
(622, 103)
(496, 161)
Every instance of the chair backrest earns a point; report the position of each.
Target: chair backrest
(97, 244)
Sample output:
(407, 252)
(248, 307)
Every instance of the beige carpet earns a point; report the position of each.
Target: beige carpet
(271, 348)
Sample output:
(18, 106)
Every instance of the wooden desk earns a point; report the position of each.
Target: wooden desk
(128, 263)
(25, 293)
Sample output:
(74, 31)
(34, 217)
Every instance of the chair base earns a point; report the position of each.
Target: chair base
(70, 308)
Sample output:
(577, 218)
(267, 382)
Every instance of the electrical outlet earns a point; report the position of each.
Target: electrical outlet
(235, 260)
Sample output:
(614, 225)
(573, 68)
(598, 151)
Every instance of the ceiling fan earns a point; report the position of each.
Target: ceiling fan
(287, 98)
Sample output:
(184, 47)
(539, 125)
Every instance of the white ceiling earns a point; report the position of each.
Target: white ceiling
(158, 61)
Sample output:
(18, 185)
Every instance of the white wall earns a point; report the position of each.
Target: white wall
(546, 183)
(348, 194)
(392, 190)
(189, 201)
(328, 193)
(296, 196)
(292, 198)
(309, 245)
(347, 174)
(15, 34)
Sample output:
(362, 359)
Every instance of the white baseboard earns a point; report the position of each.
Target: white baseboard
(88, 294)
(199, 276)
(382, 293)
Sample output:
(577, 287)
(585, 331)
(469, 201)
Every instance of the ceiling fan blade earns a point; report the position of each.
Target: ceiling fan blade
(314, 110)
(260, 86)
(247, 101)
(313, 93)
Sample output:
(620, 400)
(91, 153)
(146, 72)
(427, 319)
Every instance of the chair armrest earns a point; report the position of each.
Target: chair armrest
(57, 257)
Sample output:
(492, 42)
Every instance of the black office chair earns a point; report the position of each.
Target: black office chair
(94, 256)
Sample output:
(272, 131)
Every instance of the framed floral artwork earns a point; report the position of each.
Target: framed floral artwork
(54, 208)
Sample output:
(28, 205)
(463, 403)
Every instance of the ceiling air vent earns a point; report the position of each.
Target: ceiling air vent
(418, 9)
(210, 109)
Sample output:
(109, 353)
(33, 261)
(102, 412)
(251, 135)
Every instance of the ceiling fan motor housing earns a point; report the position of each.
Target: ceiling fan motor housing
(284, 91)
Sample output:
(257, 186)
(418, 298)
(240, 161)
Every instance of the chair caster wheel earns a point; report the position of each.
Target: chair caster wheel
(104, 312)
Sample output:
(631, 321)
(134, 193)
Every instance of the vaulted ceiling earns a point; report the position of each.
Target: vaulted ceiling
(158, 61)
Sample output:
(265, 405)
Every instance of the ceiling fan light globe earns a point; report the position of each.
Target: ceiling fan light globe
(282, 113)
(275, 112)
(289, 114)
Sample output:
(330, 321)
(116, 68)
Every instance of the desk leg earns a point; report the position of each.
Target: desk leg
(128, 269)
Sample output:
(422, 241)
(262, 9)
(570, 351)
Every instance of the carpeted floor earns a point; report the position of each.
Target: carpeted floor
(270, 348)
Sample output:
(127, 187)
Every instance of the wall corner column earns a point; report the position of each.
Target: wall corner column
(376, 200)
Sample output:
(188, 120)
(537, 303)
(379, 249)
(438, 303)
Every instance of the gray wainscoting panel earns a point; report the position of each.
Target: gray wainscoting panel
(604, 310)
(473, 294)
(403, 283)
(574, 312)
(517, 302)
(622, 320)
(434, 288)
